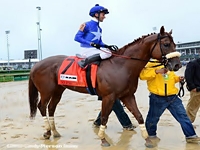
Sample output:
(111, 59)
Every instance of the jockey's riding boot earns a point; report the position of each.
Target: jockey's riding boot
(88, 60)
(99, 98)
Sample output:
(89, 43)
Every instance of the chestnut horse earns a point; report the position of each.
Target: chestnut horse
(117, 78)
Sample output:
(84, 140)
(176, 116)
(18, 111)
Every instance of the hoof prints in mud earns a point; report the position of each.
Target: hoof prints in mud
(18, 136)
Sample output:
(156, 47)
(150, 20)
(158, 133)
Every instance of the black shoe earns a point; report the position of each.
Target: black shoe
(99, 98)
(129, 128)
(82, 63)
(96, 125)
(89, 60)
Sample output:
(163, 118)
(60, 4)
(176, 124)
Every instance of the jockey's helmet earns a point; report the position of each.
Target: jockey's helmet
(97, 9)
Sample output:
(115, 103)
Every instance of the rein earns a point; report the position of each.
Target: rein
(164, 59)
(127, 57)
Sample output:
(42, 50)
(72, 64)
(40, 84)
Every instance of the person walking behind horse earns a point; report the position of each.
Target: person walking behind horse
(121, 116)
(163, 95)
(89, 37)
(192, 77)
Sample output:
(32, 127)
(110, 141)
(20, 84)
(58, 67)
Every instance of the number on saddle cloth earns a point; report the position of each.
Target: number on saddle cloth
(70, 74)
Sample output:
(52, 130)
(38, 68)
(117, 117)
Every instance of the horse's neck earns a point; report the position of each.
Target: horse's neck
(137, 57)
(138, 51)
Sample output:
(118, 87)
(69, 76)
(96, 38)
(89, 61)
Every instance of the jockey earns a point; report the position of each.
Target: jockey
(89, 37)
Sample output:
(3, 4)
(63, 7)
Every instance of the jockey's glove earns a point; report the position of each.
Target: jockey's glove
(95, 45)
(112, 47)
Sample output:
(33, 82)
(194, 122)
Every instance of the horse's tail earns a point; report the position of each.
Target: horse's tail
(33, 98)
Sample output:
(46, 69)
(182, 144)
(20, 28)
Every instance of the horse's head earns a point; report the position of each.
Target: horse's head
(164, 50)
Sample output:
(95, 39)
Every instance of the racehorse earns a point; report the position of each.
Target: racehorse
(117, 78)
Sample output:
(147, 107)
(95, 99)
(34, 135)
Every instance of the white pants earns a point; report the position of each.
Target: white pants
(86, 52)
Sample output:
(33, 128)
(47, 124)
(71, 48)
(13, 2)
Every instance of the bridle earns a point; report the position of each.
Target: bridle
(164, 60)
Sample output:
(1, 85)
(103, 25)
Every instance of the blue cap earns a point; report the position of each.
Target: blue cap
(97, 9)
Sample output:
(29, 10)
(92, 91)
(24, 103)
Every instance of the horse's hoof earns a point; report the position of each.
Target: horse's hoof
(104, 143)
(46, 135)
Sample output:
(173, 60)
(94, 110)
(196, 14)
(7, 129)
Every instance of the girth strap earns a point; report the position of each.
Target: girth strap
(90, 89)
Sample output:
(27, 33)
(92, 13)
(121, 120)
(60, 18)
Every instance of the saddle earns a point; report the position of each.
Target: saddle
(70, 74)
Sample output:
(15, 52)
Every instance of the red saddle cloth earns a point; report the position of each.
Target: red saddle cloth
(71, 74)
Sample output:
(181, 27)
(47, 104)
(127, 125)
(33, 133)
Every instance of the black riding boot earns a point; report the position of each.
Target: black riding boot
(99, 98)
(88, 60)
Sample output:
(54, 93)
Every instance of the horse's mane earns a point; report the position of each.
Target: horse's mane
(138, 40)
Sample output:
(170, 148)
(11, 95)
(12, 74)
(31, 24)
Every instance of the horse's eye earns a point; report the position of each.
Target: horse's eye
(166, 44)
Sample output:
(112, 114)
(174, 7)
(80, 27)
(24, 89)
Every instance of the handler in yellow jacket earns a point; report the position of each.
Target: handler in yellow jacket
(163, 95)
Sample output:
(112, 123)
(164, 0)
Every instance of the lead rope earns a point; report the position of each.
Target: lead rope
(181, 92)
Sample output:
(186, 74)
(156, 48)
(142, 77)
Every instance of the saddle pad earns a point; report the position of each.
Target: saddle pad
(70, 74)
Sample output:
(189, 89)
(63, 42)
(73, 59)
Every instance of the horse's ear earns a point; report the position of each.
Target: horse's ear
(162, 30)
(170, 32)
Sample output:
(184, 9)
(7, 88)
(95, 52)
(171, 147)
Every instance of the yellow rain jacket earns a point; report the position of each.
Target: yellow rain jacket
(156, 82)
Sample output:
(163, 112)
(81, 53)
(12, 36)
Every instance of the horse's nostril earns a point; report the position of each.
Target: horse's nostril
(178, 66)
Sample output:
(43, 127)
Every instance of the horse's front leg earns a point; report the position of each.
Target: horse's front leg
(131, 104)
(106, 109)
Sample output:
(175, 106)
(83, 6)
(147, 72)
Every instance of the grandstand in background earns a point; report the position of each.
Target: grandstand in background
(18, 64)
(188, 50)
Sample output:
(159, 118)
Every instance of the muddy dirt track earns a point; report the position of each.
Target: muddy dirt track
(74, 117)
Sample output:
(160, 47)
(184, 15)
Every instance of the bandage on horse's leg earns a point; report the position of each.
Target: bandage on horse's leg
(107, 104)
(101, 134)
(42, 107)
(47, 134)
(52, 107)
(53, 127)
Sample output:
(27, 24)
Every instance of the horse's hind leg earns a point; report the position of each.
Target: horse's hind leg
(42, 106)
(52, 107)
